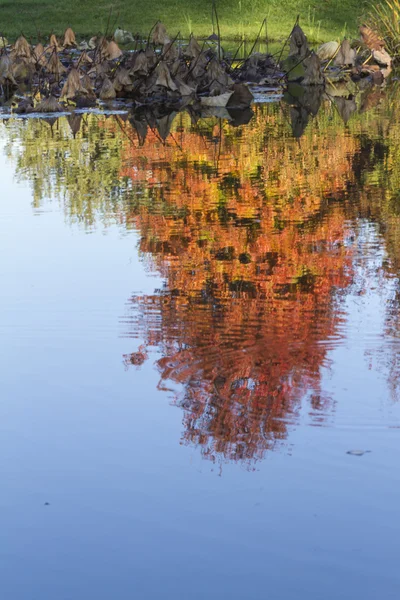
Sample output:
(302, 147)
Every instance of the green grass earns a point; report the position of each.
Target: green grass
(384, 18)
(321, 19)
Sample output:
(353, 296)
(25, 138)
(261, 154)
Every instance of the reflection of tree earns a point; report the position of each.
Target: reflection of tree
(378, 171)
(249, 228)
(252, 254)
(81, 169)
(252, 247)
(246, 351)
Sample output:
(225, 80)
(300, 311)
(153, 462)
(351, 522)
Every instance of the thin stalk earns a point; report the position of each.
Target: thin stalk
(236, 53)
(195, 62)
(258, 36)
(150, 32)
(218, 29)
(331, 59)
(284, 45)
(108, 20)
(292, 69)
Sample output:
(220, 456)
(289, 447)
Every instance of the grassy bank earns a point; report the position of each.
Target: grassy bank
(322, 19)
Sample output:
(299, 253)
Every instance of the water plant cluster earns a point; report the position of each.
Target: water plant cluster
(65, 75)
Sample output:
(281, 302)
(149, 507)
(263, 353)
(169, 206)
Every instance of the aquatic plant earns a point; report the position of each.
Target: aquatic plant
(384, 17)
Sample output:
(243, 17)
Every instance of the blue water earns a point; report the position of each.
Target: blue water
(100, 496)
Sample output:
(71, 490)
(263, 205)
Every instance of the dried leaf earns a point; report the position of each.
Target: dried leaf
(170, 52)
(151, 56)
(193, 49)
(298, 43)
(293, 67)
(217, 101)
(107, 91)
(53, 44)
(122, 80)
(159, 35)
(22, 69)
(313, 74)
(22, 48)
(101, 49)
(83, 100)
(113, 51)
(164, 77)
(184, 89)
(327, 50)
(39, 54)
(5, 65)
(49, 105)
(84, 59)
(54, 65)
(215, 73)
(141, 65)
(100, 70)
(346, 55)
(370, 38)
(179, 69)
(87, 84)
(382, 57)
(69, 38)
(241, 97)
(72, 85)
(240, 116)
(24, 107)
(6, 75)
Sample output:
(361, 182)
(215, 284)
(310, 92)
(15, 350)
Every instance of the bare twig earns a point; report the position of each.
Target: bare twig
(218, 29)
(258, 36)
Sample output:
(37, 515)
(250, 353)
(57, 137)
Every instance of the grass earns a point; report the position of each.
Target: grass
(384, 17)
(321, 19)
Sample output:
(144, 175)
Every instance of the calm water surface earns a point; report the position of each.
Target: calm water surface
(198, 321)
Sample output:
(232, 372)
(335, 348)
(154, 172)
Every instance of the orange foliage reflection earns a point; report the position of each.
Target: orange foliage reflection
(247, 228)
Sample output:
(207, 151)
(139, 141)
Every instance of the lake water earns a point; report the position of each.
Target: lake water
(199, 320)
